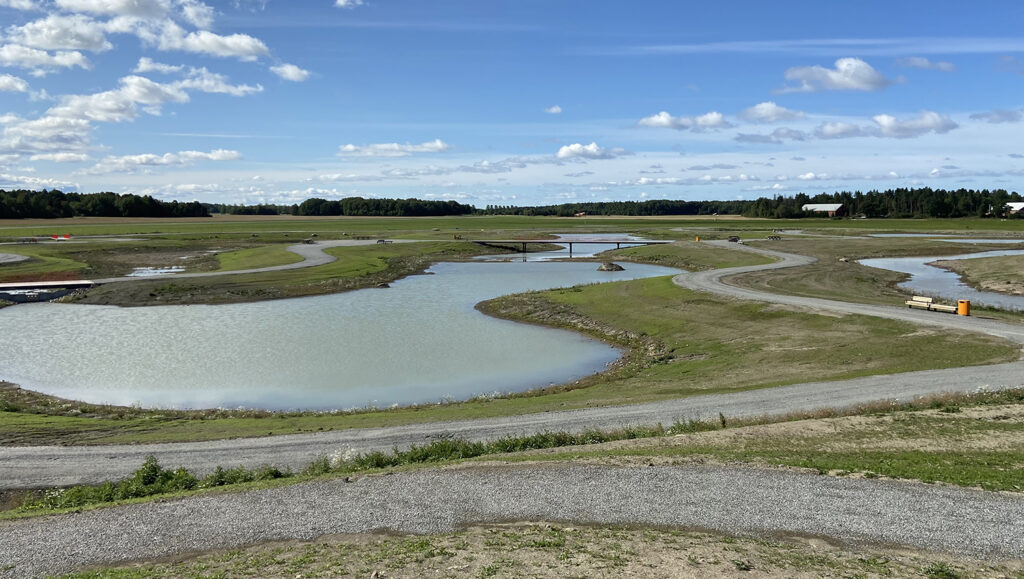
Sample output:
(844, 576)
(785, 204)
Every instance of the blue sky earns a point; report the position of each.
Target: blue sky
(508, 103)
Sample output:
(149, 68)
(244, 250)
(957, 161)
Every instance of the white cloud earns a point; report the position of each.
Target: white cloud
(19, 4)
(392, 149)
(664, 120)
(10, 83)
(769, 112)
(555, 110)
(56, 32)
(241, 46)
(40, 61)
(203, 80)
(197, 13)
(61, 157)
(290, 72)
(848, 74)
(924, 63)
(591, 151)
(778, 136)
(149, 9)
(996, 116)
(147, 64)
(131, 163)
(44, 135)
(348, 3)
(839, 130)
(927, 122)
(25, 182)
(120, 104)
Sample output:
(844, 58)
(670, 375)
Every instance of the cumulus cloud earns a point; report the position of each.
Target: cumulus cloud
(555, 110)
(664, 120)
(290, 72)
(57, 32)
(924, 63)
(769, 112)
(61, 157)
(839, 130)
(848, 74)
(926, 122)
(996, 116)
(591, 151)
(776, 137)
(392, 149)
(19, 4)
(120, 104)
(147, 64)
(10, 83)
(40, 61)
(241, 46)
(348, 3)
(136, 8)
(44, 135)
(203, 80)
(132, 163)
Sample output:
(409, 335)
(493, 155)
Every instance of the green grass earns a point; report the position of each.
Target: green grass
(688, 255)
(490, 224)
(680, 344)
(256, 257)
(1005, 273)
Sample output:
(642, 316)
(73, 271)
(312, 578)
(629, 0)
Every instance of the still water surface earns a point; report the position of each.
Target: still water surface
(937, 282)
(419, 341)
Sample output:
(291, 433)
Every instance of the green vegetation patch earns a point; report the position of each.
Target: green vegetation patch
(256, 257)
(1003, 274)
(688, 255)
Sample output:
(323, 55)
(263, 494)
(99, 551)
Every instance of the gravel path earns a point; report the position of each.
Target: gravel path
(46, 466)
(313, 254)
(745, 501)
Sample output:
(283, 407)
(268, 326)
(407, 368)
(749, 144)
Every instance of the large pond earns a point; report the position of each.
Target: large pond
(419, 341)
(937, 282)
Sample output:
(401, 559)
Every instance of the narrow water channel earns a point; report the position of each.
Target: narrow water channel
(419, 341)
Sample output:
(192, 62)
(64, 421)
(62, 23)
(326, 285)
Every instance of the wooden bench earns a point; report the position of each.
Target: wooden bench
(929, 304)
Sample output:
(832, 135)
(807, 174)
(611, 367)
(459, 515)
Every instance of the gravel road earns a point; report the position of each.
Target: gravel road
(750, 501)
(743, 501)
(11, 258)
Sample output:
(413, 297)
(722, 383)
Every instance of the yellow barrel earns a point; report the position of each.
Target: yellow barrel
(963, 307)
(698, 238)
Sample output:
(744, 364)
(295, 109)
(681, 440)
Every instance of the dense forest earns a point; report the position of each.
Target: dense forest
(893, 203)
(44, 204)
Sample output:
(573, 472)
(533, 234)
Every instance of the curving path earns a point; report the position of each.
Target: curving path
(312, 254)
(748, 501)
(34, 467)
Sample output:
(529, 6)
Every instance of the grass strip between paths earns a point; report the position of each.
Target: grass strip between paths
(993, 470)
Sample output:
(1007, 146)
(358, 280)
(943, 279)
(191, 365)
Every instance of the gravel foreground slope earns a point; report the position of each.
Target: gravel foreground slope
(742, 501)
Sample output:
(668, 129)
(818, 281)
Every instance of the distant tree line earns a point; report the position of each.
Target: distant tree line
(895, 203)
(631, 208)
(22, 204)
(357, 206)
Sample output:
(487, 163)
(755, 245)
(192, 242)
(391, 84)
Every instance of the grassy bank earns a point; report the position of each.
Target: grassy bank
(557, 550)
(678, 343)
(997, 274)
(831, 278)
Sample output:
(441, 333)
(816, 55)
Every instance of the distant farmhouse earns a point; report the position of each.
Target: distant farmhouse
(1013, 208)
(831, 209)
